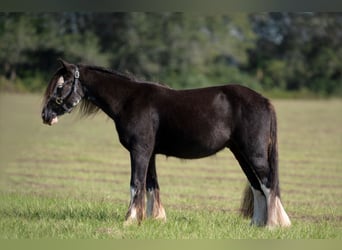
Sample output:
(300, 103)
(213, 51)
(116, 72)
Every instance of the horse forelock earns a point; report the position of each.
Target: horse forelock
(52, 84)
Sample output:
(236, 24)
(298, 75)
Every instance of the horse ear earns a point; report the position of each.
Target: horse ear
(64, 64)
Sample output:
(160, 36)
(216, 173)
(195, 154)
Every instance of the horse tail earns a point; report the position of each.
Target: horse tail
(247, 204)
(276, 215)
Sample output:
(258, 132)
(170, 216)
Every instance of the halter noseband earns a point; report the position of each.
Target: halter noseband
(60, 100)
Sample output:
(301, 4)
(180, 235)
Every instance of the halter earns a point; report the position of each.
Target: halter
(60, 100)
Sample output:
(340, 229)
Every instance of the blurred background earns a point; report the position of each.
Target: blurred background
(282, 54)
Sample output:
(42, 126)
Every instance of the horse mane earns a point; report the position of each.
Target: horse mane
(126, 76)
(87, 107)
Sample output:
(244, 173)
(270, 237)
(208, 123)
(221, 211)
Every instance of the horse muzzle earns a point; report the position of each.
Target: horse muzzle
(53, 121)
(49, 118)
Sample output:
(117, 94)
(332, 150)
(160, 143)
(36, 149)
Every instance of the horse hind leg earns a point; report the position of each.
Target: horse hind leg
(268, 209)
(154, 207)
(276, 215)
(254, 206)
(259, 208)
(261, 201)
(259, 160)
(254, 202)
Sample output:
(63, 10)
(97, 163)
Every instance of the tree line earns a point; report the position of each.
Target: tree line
(265, 51)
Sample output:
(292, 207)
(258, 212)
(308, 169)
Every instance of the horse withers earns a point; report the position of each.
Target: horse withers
(151, 119)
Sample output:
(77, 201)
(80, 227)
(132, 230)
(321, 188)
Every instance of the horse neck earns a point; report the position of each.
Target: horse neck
(107, 91)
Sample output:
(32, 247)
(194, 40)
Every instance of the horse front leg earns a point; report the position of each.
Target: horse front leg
(139, 165)
(154, 208)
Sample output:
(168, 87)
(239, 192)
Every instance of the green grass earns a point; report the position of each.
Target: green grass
(72, 180)
(41, 217)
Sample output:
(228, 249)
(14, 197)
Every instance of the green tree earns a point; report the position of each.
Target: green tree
(30, 43)
(17, 36)
(298, 51)
(184, 49)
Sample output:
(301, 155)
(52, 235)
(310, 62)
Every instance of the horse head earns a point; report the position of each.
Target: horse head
(63, 93)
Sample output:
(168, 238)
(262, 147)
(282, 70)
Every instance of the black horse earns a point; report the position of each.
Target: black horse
(151, 119)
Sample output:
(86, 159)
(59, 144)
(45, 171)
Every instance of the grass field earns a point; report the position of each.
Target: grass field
(72, 180)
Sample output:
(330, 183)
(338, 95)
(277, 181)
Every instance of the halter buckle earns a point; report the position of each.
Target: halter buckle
(77, 74)
(59, 101)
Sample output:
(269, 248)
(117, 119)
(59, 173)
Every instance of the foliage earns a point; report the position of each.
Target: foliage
(298, 51)
(284, 51)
